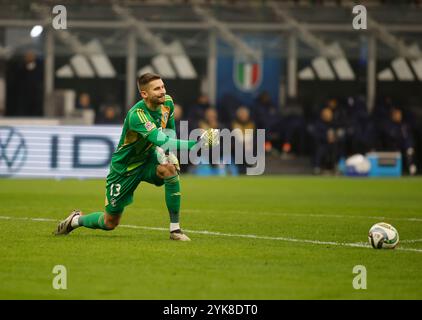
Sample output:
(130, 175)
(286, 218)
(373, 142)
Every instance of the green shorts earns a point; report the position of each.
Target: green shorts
(120, 187)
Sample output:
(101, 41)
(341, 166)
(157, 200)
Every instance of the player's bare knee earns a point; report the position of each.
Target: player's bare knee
(111, 225)
(171, 170)
(111, 222)
(161, 170)
(166, 170)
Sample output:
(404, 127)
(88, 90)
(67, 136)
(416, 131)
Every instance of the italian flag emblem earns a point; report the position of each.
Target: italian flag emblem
(247, 75)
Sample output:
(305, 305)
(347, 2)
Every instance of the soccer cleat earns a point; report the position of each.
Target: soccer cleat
(178, 235)
(65, 226)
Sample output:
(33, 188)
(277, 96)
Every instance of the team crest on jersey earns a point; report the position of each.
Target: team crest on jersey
(165, 116)
(149, 125)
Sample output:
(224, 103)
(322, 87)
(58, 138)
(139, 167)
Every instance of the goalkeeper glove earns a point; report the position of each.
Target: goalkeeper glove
(161, 156)
(164, 158)
(173, 160)
(210, 138)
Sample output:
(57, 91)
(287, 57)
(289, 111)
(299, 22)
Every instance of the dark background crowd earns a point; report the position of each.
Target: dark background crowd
(326, 132)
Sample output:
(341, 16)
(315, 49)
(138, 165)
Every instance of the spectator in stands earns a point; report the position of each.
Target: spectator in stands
(197, 111)
(359, 129)
(85, 109)
(340, 123)
(382, 109)
(210, 119)
(2, 87)
(339, 112)
(227, 109)
(84, 102)
(380, 117)
(109, 114)
(417, 133)
(267, 116)
(293, 127)
(397, 136)
(244, 135)
(25, 87)
(243, 120)
(326, 142)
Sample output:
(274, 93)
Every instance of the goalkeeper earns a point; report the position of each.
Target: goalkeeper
(143, 154)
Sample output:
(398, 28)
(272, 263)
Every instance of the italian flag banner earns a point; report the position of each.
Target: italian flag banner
(247, 75)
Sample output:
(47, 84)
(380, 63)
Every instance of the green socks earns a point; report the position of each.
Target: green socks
(93, 220)
(172, 190)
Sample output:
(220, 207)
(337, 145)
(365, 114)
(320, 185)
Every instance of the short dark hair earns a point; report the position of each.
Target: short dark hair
(146, 78)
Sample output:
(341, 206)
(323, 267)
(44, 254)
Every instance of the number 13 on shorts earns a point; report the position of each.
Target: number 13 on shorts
(115, 189)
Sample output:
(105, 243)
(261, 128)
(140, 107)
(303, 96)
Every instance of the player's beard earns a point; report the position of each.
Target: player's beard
(156, 101)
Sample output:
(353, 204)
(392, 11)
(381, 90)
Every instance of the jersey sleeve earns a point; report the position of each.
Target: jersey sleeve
(142, 123)
(171, 124)
(160, 139)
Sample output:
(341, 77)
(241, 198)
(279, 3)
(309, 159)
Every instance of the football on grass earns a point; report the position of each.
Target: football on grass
(383, 236)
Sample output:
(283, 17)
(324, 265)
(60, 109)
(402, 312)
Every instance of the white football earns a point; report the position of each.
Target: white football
(383, 235)
(358, 164)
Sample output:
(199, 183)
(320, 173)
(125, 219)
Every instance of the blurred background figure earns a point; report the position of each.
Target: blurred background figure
(210, 119)
(397, 136)
(244, 128)
(340, 122)
(109, 111)
(243, 119)
(109, 114)
(359, 130)
(2, 87)
(197, 111)
(382, 109)
(227, 109)
(85, 109)
(25, 87)
(267, 116)
(293, 126)
(338, 110)
(326, 142)
(84, 102)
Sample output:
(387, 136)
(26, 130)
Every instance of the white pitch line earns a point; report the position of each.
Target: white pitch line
(26, 218)
(411, 241)
(250, 236)
(398, 247)
(316, 215)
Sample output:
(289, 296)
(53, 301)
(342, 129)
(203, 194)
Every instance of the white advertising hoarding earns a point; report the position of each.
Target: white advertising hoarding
(57, 151)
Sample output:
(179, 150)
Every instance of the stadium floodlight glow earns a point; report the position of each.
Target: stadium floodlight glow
(36, 31)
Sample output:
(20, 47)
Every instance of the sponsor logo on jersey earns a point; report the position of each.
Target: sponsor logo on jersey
(149, 125)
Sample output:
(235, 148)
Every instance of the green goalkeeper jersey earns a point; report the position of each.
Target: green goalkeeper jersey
(142, 132)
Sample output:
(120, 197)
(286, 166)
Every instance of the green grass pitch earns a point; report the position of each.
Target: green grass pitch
(247, 240)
